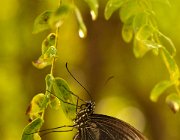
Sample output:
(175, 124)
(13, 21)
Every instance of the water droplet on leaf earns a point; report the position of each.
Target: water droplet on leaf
(81, 33)
(93, 15)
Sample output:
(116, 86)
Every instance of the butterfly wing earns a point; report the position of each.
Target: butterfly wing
(102, 127)
(111, 128)
(85, 134)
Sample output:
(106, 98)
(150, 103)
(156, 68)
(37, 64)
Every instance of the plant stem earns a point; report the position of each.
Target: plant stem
(56, 44)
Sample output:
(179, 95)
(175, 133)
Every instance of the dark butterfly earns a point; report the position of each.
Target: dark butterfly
(92, 126)
(102, 127)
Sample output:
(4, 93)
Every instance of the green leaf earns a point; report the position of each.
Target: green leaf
(54, 102)
(145, 33)
(62, 91)
(42, 63)
(173, 101)
(35, 108)
(82, 26)
(139, 21)
(143, 41)
(49, 81)
(29, 132)
(169, 41)
(129, 10)
(159, 89)
(93, 4)
(127, 33)
(59, 16)
(170, 64)
(50, 53)
(139, 48)
(112, 6)
(49, 41)
(46, 58)
(41, 22)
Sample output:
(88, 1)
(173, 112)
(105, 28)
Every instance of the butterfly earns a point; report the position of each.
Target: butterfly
(91, 126)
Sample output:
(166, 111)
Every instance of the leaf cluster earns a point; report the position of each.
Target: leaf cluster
(139, 25)
(57, 90)
(61, 97)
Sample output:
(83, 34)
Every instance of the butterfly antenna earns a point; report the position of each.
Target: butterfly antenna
(78, 82)
(107, 81)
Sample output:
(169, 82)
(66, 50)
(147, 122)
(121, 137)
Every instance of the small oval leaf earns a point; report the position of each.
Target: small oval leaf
(127, 33)
(129, 10)
(140, 48)
(41, 63)
(49, 81)
(93, 4)
(46, 59)
(145, 32)
(58, 17)
(159, 89)
(139, 20)
(112, 6)
(49, 41)
(30, 131)
(41, 22)
(54, 102)
(170, 64)
(62, 91)
(169, 41)
(50, 53)
(173, 101)
(35, 108)
(82, 26)
(143, 41)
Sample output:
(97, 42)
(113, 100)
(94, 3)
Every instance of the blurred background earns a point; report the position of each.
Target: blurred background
(92, 60)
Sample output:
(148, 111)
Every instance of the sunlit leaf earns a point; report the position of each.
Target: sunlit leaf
(50, 53)
(145, 32)
(49, 41)
(49, 81)
(35, 108)
(54, 102)
(139, 48)
(159, 89)
(30, 131)
(46, 58)
(127, 33)
(41, 22)
(139, 21)
(62, 91)
(50, 98)
(170, 64)
(42, 63)
(93, 4)
(59, 16)
(112, 6)
(129, 10)
(173, 101)
(144, 42)
(82, 27)
(169, 41)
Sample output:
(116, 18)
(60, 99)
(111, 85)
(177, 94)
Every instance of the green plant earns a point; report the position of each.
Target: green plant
(139, 25)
